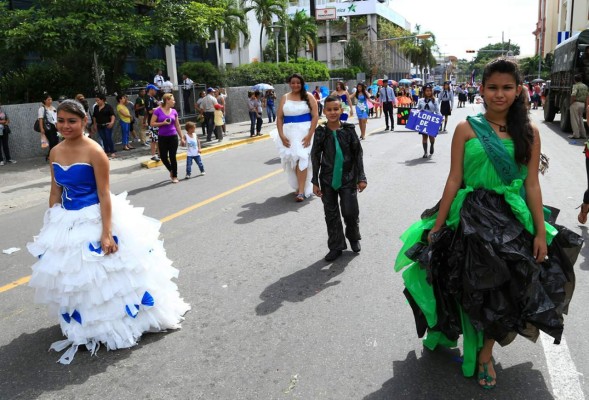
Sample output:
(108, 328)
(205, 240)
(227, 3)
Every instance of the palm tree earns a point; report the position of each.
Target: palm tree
(302, 31)
(420, 51)
(265, 10)
(234, 23)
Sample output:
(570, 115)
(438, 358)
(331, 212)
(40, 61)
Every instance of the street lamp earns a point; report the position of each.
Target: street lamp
(276, 29)
(343, 43)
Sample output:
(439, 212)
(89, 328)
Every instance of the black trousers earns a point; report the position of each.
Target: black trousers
(348, 202)
(168, 146)
(186, 96)
(4, 147)
(210, 123)
(387, 108)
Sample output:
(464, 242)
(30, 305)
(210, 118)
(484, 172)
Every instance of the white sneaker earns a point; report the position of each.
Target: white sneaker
(12, 161)
(187, 177)
(203, 173)
(2, 163)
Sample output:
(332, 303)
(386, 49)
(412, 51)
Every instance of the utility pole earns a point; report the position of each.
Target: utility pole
(313, 10)
(540, 52)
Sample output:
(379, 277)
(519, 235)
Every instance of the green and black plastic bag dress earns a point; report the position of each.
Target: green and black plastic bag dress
(478, 277)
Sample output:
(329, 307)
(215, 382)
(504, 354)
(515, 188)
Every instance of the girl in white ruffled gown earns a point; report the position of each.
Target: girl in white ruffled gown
(101, 268)
(295, 126)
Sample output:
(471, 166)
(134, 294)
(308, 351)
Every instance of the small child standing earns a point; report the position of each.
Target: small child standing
(193, 149)
(219, 122)
(338, 170)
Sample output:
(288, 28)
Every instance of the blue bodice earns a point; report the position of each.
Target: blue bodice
(344, 98)
(78, 184)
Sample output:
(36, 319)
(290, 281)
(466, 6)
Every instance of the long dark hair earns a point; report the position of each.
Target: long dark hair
(362, 89)
(518, 120)
(303, 90)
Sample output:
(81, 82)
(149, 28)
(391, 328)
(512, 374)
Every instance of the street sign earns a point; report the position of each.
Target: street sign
(325, 14)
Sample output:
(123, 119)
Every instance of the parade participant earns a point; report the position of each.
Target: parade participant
(104, 121)
(388, 99)
(461, 96)
(125, 119)
(150, 105)
(430, 103)
(362, 106)
(192, 149)
(165, 118)
(493, 267)
(446, 98)
(101, 268)
(341, 92)
(338, 174)
(295, 125)
(317, 95)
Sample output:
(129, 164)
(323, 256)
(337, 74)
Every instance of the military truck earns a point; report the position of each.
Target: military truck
(571, 57)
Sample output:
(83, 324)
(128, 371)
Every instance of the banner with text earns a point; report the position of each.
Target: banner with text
(425, 122)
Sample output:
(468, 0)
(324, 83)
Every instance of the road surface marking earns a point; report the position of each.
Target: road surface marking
(564, 376)
(26, 279)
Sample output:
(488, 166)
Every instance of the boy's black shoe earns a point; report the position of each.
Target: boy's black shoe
(332, 255)
(355, 246)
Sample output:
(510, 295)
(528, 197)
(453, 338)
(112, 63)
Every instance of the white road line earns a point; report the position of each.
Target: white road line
(564, 377)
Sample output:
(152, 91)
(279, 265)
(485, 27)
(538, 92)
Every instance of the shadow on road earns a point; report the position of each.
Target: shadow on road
(38, 185)
(271, 207)
(302, 284)
(273, 161)
(437, 375)
(150, 187)
(417, 161)
(29, 371)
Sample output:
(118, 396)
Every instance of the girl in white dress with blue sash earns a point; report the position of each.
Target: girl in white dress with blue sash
(295, 126)
(101, 267)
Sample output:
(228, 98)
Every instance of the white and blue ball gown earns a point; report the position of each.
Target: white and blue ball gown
(297, 122)
(113, 299)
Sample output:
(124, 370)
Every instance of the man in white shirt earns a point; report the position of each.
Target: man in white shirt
(208, 105)
(187, 85)
(158, 79)
(167, 86)
(388, 99)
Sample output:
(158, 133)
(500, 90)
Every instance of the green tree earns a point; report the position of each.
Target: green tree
(265, 11)
(302, 32)
(354, 54)
(109, 30)
(420, 51)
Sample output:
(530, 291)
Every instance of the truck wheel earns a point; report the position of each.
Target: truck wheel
(565, 117)
(549, 111)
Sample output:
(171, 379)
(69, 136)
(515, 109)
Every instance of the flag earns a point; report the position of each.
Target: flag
(472, 78)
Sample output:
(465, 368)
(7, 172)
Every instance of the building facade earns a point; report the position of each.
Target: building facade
(557, 21)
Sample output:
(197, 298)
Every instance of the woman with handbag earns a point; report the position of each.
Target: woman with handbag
(486, 265)
(47, 117)
(4, 131)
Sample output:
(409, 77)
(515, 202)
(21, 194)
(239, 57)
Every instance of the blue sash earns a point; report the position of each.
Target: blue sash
(289, 119)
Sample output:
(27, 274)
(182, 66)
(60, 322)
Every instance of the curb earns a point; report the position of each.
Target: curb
(209, 150)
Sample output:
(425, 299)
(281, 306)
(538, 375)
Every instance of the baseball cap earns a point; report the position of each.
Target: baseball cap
(150, 86)
(390, 82)
(209, 90)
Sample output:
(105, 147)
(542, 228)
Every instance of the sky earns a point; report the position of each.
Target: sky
(461, 25)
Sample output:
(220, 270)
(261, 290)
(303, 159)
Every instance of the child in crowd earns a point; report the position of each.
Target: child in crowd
(338, 171)
(219, 120)
(193, 149)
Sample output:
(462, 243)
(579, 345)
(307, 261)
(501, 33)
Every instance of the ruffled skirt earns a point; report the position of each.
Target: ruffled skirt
(296, 153)
(483, 275)
(110, 300)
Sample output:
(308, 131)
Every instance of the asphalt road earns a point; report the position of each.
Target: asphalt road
(270, 319)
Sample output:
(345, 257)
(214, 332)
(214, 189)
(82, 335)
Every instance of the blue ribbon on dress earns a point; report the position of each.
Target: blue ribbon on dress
(147, 300)
(75, 316)
(289, 119)
(98, 249)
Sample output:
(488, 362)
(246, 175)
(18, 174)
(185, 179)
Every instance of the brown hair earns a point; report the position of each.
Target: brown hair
(190, 126)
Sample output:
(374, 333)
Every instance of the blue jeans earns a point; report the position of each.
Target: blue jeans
(271, 113)
(106, 136)
(256, 123)
(198, 162)
(125, 126)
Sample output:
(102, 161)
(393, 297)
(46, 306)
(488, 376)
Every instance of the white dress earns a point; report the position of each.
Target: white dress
(295, 133)
(113, 299)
